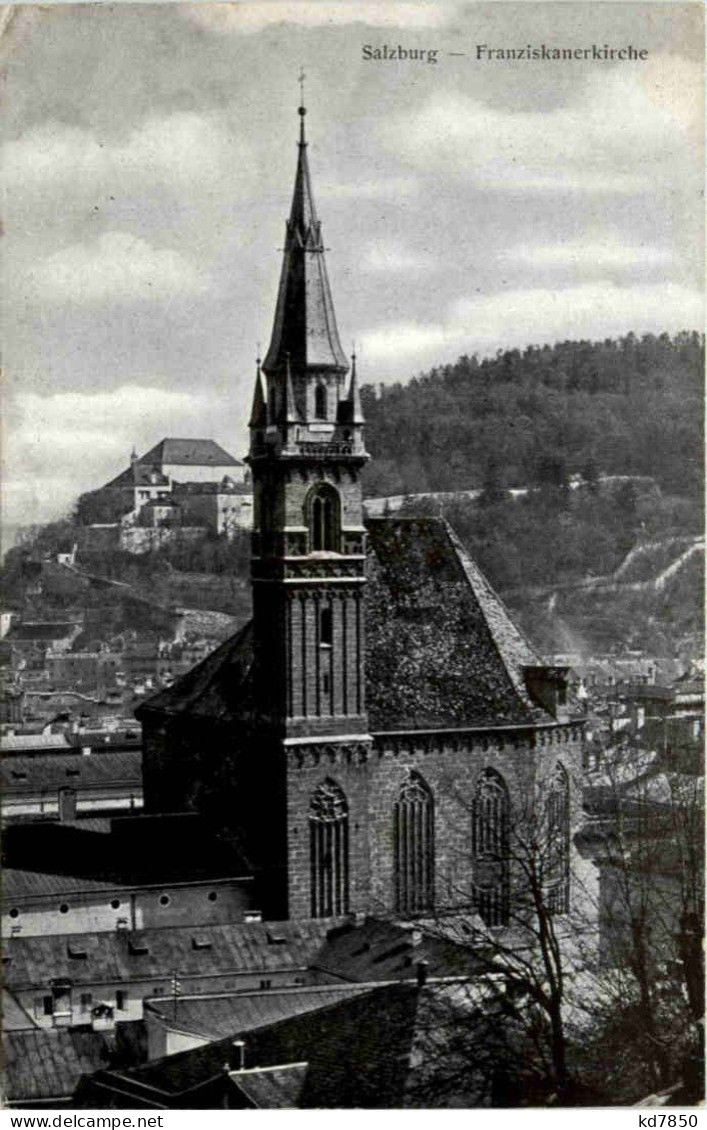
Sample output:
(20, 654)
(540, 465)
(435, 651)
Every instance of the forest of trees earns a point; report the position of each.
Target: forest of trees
(626, 406)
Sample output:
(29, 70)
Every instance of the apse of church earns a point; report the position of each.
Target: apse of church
(368, 737)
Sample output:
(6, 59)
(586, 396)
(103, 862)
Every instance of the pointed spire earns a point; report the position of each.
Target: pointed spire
(292, 416)
(305, 323)
(354, 399)
(301, 111)
(258, 417)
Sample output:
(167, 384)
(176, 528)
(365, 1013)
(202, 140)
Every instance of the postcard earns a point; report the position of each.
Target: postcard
(352, 628)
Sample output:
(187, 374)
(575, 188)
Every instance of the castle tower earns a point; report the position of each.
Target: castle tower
(308, 564)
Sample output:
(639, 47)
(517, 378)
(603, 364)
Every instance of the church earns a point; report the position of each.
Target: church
(368, 739)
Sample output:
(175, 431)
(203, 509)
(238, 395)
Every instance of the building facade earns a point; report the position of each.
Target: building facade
(381, 727)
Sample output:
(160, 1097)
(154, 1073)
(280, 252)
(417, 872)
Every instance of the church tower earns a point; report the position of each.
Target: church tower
(308, 561)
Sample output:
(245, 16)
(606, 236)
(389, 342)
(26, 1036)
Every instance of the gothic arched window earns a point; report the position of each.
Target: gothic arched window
(320, 402)
(414, 847)
(329, 850)
(489, 836)
(323, 518)
(557, 862)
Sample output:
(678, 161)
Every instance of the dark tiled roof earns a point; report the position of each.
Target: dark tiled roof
(238, 947)
(46, 1064)
(142, 474)
(377, 950)
(40, 632)
(441, 649)
(361, 1052)
(214, 1017)
(54, 770)
(19, 884)
(272, 1088)
(218, 688)
(14, 1016)
(42, 858)
(190, 453)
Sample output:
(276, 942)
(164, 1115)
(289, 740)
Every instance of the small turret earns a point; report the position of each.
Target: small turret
(258, 415)
(350, 411)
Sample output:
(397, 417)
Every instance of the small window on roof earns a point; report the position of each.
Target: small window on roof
(276, 939)
(137, 946)
(76, 950)
(19, 774)
(201, 942)
(73, 772)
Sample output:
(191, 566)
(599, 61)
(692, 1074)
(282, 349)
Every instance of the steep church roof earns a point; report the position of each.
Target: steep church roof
(305, 323)
(441, 648)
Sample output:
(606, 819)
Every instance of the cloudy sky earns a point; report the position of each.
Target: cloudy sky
(148, 158)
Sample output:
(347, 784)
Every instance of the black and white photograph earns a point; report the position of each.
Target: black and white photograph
(352, 617)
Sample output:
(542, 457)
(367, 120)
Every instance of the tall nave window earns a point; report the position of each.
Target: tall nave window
(414, 847)
(329, 850)
(490, 844)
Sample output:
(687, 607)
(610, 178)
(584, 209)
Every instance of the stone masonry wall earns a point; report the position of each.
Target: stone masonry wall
(371, 777)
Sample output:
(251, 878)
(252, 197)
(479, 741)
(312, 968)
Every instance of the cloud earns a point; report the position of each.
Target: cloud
(516, 318)
(173, 149)
(116, 267)
(391, 188)
(247, 18)
(585, 256)
(59, 445)
(623, 134)
(394, 259)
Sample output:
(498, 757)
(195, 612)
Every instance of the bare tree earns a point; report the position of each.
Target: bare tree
(651, 856)
(588, 976)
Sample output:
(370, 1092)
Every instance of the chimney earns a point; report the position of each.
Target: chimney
(421, 973)
(238, 1055)
(67, 805)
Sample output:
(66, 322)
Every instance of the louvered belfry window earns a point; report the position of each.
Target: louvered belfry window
(329, 851)
(490, 846)
(414, 847)
(557, 874)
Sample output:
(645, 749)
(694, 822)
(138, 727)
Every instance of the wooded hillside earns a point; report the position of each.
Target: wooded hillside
(627, 406)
